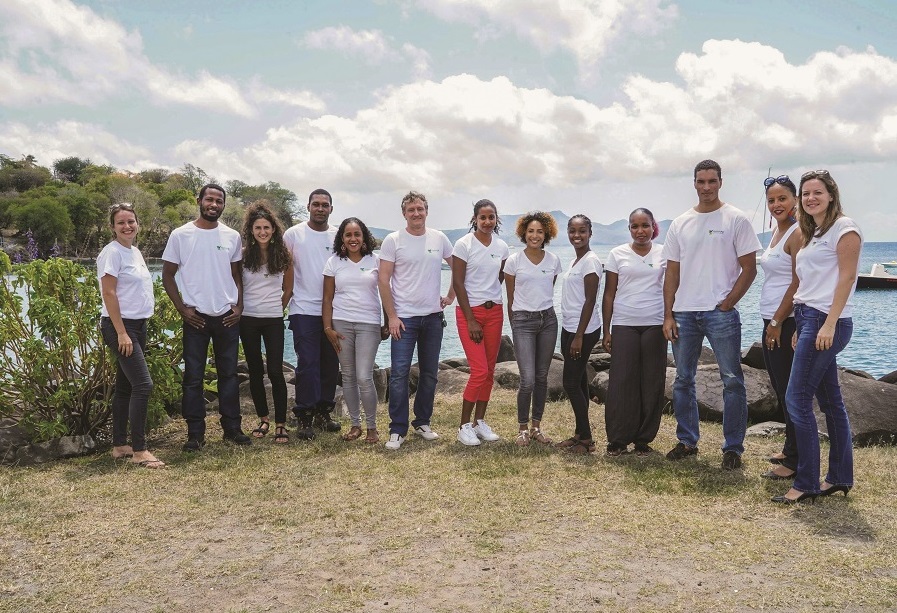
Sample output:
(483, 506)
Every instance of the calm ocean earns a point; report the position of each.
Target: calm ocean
(872, 349)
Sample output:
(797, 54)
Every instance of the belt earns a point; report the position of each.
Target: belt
(488, 304)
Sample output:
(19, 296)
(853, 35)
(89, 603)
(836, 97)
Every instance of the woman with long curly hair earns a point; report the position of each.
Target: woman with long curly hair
(267, 288)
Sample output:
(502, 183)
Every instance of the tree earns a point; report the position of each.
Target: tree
(69, 169)
(47, 218)
(281, 200)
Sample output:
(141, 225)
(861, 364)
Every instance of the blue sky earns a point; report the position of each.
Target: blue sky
(588, 106)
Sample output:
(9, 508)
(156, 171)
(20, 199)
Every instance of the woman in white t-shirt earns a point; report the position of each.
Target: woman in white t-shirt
(128, 301)
(826, 268)
(352, 318)
(633, 305)
(529, 278)
(267, 289)
(580, 328)
(777, 307)
(477, 272)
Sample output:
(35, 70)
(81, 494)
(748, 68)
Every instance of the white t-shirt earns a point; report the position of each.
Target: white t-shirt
(311, 250)
(533, 283)
(262, 293)
(204, 260)
(483, 265)
(357, 298)
(817, 268)
(776, 265)
(639, 297)
(707, 247)
(417, 274)
(134, 284)
(573, 293)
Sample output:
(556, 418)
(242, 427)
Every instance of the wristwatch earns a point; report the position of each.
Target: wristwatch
(773, 323)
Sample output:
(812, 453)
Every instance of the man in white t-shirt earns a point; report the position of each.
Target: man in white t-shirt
(317, 365)
(410, 290)
(711, 262)
(205, 255)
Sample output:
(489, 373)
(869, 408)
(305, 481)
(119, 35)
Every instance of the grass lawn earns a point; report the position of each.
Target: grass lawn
(335, 526)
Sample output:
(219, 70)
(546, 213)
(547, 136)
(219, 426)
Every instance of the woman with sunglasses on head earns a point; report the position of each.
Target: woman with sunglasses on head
(477, 273)
(580, 329)
(826, 269)
(353, 320)
(529, 278)
(267, 288)
(633, 303)
(128, 301)
(777, 306)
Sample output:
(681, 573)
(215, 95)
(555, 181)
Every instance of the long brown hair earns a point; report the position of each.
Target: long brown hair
(278, 255)
(807, 224)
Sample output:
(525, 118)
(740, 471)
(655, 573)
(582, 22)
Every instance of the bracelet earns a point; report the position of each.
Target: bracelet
(327, 328)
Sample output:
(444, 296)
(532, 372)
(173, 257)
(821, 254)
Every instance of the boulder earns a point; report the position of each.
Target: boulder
(706, 357)
(451, 382)
(762, 402)
(12, 436)
(871, 408)
(600, 361)
(507, 376)
(381, 382)
(889, 378)
(753, 357)
(56, 449)
(858, 373)
(506, 351)
(454, 363)
(767, 428)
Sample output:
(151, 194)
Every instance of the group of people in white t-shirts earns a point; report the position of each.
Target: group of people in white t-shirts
(344, 300)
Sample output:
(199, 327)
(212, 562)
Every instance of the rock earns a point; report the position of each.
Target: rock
(599, 384)
(454, 363)
(12, 436)
(762, 402)
(451, 382)
(506, 351)
(753, 357)
(56, 449)
(600, 361)
(556, 381)
(767, 428)
(381, 382)
(858, 373)
(706, 357)
(891, 377)
(507, 375)
(870, 406)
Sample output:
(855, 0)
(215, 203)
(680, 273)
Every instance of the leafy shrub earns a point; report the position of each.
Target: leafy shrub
(56, 375)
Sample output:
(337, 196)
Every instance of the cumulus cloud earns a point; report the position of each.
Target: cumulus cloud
(371, 46)
(57, 51)
(585, 28)
(742, 103)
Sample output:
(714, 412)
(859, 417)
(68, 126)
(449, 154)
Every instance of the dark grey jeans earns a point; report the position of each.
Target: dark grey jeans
(535, 335)
(133, 384)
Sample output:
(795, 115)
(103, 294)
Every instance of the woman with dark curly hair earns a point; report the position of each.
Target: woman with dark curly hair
(529, 277)
(477, 272)
(267, 288)
(352, 318)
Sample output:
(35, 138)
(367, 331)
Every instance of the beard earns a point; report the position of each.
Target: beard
(209, 216)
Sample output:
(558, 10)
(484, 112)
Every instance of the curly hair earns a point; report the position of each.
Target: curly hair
(548, 224)
(367, 239)
(480, 204)
(807, 224)
(277, 252)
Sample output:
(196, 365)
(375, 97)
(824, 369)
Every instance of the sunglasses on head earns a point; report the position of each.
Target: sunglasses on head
(781, 180)
(813, 173)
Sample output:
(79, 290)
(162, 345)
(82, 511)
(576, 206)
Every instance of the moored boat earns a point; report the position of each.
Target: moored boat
(879, 277)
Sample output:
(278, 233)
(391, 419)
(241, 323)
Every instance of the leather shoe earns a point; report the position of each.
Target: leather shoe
(774, 476)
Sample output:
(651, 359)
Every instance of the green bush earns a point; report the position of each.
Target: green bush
(56, 374)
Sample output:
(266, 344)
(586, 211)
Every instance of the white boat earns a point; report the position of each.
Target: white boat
(879, 277)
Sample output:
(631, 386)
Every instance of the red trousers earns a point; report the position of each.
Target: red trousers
(481, 356)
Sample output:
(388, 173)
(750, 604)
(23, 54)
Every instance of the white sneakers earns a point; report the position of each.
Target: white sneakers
(483, 431)
(395, 441)
(467, 435)
(425, 433)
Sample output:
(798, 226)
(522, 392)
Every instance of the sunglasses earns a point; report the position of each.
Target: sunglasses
(781, 180)
(813, 173)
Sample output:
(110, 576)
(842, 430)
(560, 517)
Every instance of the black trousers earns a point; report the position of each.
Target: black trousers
(576, 384)
(252, 331)
(778, 366)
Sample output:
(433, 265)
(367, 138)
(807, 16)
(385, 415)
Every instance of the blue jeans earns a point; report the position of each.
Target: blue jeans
(225, 343)
(317, 365)
(816, 373)
(723, 330)
(424, 332)
(535, 334)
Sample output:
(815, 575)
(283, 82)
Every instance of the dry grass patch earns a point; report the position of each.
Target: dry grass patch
(335, 526)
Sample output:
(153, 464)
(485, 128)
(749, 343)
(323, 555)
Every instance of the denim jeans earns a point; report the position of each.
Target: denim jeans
(723, 330)
(816, 373)
(252, 331)
(778, 365)
(225, 344)
(535, 335)
(425, 333)
(358, 349)
(133, 384)
(576, 383)
(317, 367)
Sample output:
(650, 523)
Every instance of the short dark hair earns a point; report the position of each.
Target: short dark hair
(643, 211)
(202, 191)
(321, 191)
(585, 220)
(368, 244)
(709, 165)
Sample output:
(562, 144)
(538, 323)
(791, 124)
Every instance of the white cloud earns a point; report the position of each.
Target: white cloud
(586, 28)
(57, 51)
(371, 46)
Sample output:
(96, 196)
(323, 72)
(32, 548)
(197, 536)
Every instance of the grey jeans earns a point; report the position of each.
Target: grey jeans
(535, 335)
(356, 361)
(133, 384)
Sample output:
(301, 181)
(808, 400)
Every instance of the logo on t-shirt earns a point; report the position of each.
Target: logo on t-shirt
(493, 255)
(819, 243)
(219, 247)
(712, 232)
(545, 272)
(433, 250)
